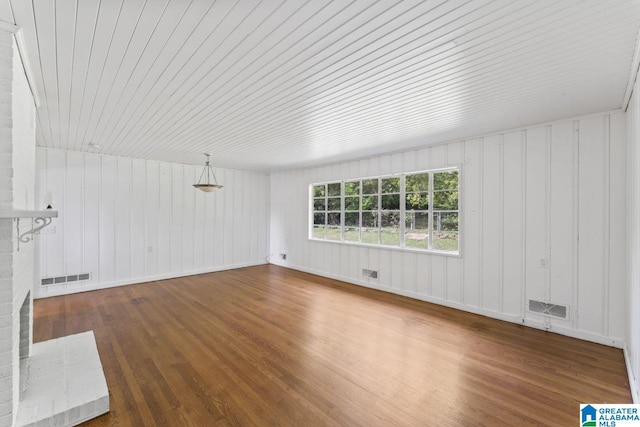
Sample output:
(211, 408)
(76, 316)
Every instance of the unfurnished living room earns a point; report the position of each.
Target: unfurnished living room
(319, 213)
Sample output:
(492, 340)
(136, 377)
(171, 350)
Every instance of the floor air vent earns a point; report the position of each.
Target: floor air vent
(549, 309)
(65, 279)
(371, 274)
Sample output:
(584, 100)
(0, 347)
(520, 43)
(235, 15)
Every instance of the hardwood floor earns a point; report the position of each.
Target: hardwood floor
(270, 346)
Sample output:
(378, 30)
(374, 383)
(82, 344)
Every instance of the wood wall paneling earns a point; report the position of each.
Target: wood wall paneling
(219, 232)
(522, 192)
(127, 220)
(54, 243)
(472, 224)
(438, 276)
(177, 216)
(138, 218)
(491, 242)
(593, 201)
(91, 232)
(123, 210)
(74, 203)
(561, 230)
(39, 199)
(617, 228)
(537, 256)
(200, 224)
(108, 226)
(187, 201)
(513, 217)
(152, 212)
(409, 272)
(527, 195)
(632, 285)
(165, 191)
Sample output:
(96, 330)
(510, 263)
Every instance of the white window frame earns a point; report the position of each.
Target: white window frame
(402, 225)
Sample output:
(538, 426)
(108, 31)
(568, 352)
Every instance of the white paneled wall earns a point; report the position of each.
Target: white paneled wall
(543, 217)
(632, 350)
(127, 221)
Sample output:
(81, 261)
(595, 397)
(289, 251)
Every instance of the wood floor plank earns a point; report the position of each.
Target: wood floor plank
(267, 345)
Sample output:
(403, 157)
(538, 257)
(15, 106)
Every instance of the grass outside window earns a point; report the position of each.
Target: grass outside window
(416, 211)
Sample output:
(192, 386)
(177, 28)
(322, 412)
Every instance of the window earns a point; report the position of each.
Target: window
(327, 211)
(414, 210)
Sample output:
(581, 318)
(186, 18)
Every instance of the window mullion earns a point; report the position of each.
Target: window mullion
(342, 211)
(326, 211)
(379, 211)
(360, 212)
(430, 211)
(402, 209)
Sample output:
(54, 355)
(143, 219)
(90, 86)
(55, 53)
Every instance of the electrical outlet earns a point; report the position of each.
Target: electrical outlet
(149, 249)
(283, 256)
(371, 274)
(543, 263)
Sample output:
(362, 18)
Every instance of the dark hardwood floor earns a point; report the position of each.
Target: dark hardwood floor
(271, 346)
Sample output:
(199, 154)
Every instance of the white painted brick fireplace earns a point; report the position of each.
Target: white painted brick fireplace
(57, 382)
(16, 267)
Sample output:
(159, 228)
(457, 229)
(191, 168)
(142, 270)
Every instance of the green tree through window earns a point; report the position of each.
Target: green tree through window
(414, 210)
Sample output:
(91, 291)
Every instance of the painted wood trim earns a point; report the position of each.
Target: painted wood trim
(633, 382)
(26, 64)
(633, 75)
(53, 292)
(596, 338)
(9, 27)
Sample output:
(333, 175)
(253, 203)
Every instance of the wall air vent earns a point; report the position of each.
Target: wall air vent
(65, 279)
(370, 274)
(549, 309)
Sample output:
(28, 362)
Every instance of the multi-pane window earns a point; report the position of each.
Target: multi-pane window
(445, 211)
(416, 216)
(417, 210)
(352, 210)
(370, 222)
(327, 211)
(390, 211)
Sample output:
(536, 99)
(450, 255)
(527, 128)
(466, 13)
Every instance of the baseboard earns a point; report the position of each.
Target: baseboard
(633, 385)
(586, 336)
(53, 291)
(374, 285)
(573, 333)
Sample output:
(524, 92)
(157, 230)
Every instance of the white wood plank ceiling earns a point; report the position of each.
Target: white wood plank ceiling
(276, 84)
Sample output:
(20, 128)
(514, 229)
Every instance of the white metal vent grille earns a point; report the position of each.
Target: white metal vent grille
(549, 309)
(65, 279)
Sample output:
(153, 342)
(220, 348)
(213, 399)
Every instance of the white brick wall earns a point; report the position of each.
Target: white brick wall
(23, 132)
(23, 188)
(6, 134)
(7, 367)
(17, 171)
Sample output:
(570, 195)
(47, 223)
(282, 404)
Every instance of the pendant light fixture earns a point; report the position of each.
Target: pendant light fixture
(207, 187)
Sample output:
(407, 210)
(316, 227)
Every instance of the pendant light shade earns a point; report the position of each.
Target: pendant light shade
(207, 186)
